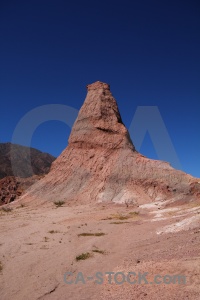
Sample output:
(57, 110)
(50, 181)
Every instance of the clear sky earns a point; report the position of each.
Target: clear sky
(148, 51)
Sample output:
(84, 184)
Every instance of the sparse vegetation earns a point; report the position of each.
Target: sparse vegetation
(98, 251)
(1, 267)
(134, 213)
(59, 203)
(99, 234)
(122, 216)
(46, 239)
(91, 234)
(6, 209)
(53, 231)
(118, 222)
(83, 256)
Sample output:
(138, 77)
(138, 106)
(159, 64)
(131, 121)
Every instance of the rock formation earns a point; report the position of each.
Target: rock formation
(101, 163)
(11, 188)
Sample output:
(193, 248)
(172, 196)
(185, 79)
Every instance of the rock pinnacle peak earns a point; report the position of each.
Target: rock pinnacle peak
(100, 163)
(99, 122)
(98, 85)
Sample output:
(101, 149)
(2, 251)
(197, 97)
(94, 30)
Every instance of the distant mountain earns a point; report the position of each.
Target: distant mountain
(40, 162)
(16, 157)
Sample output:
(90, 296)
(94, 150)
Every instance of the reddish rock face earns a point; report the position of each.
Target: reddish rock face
(101, 163)
(12, 187)
(99, 124)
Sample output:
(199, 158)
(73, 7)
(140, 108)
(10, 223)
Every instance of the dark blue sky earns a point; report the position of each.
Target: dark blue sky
(148, 51)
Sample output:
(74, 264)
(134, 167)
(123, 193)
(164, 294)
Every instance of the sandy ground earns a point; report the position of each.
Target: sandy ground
(39, 245)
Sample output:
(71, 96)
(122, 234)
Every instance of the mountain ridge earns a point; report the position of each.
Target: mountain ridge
(18, 155)
(17, 172)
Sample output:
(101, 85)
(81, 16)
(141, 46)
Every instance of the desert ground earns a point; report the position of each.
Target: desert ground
(38, 245)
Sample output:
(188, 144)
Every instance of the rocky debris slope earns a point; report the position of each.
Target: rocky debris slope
(102, 164)
(11, 188)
